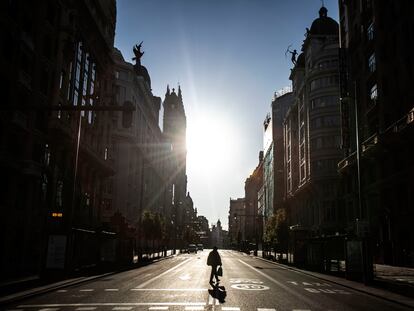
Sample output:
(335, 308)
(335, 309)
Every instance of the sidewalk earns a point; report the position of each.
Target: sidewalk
(32, 286)
(391, 283)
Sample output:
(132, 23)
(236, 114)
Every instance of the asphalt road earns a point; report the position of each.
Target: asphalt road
(181, 283)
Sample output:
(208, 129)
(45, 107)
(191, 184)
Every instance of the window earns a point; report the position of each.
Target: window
(370, 31)
(83, 80)
(371, 63)
(373, 92)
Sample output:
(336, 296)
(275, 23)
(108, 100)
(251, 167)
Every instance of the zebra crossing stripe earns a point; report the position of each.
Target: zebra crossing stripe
(230, 309)
(158, 308)
(85, 308)
(121, 308)
(264, 309)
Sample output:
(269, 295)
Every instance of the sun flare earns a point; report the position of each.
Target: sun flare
(208, 144)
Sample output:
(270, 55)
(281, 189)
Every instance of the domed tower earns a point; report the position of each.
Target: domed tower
(314, 148)
(174, 129)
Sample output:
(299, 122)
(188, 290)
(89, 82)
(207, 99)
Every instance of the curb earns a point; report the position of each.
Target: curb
(11, 298)
(399, 299)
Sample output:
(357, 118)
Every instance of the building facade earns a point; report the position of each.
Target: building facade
(377, 99)
(54, 162)
(312, 132)
(253, 220)
(236, 221)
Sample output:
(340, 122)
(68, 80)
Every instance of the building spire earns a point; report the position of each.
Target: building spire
(168, 90)
(180, 95)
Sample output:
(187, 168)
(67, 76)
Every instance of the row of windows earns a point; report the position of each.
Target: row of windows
(323, 122)
(324, 82)
(324, 101)
(326, 64)
(324, 165)
(326, 142)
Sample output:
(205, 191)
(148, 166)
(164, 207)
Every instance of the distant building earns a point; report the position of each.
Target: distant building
(217, 236)
(377, 74)
(174, 129)
(312, 132)
(253, 220)
(237, 211)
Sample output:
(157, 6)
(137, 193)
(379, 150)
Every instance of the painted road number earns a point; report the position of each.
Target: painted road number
(250, 287)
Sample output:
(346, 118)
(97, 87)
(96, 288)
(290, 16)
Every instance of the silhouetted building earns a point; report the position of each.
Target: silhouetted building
(237, 211)
(138, 150)
(281, 103)
(253, 220)
(312, 132)
(377, 72)
(217, 236)
(174, 129)
(54, 163)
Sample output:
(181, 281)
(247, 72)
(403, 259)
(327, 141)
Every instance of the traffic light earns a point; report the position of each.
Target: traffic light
(127, 116)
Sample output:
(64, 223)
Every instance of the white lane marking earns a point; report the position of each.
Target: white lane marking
(111, 289)
(170, 289)
(54, 306)
(286, 288)
(158, 308)
(210, 300)
(86, 290)
(62, 291)
(121, 308)
(264, 309)
(162, 274)
(194, 308)
(230, 309)
(85, 308)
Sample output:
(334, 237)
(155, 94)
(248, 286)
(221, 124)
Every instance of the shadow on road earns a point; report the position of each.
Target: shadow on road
(218, 292)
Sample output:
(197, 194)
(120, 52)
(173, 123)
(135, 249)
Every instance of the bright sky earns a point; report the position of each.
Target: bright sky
(229, 58)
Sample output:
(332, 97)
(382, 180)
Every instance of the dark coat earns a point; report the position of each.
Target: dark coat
(213, 258)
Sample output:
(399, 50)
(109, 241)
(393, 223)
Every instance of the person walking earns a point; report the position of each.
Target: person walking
(214, 260)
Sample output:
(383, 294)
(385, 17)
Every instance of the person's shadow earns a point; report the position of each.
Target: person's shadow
(218, 292)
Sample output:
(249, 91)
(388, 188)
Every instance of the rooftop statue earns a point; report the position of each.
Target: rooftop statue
(294, 53)
(138, 53)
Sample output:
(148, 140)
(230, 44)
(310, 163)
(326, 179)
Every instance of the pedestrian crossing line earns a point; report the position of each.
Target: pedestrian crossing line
(121, 308)
(111, 289)
(86, 290)
(264, 309)
(158, 308)
(194, 308)
(230, 309)
(62, 291)
(85, 308)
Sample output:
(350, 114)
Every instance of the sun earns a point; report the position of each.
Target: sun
(208, 144)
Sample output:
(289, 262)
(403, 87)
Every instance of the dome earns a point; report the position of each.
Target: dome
(324, 25)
